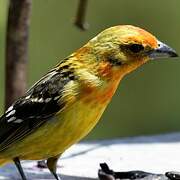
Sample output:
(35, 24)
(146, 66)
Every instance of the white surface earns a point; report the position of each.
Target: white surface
(156, 154)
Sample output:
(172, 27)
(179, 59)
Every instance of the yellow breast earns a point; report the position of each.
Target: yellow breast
(53, 138)
(67, 127)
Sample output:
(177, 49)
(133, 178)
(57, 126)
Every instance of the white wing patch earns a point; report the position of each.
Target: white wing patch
(27, 97)
(41, 100)
(11, 113)
(11, 119)
(9, 109)
(47, 100)
(56, 98)
(18, 121)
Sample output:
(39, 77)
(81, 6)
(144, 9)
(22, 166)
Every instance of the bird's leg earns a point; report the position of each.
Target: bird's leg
(19, 167)
(52, 166)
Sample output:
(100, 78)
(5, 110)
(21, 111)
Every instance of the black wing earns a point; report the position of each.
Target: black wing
(28, 113)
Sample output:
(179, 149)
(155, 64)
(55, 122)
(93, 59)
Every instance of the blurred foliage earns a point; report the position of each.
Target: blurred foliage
(148, 100)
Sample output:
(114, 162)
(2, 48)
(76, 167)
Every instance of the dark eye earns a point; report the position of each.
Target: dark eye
(135, 48)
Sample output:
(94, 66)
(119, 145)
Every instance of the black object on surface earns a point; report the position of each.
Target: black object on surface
(107, 174)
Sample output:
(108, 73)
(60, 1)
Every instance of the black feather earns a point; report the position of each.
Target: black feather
(33, 109)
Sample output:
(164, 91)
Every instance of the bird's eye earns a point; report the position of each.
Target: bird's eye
(135, 48)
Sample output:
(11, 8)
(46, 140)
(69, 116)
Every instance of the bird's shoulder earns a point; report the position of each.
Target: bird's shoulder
(47, 96)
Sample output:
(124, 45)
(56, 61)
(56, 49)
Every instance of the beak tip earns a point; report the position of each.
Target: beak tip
(174, 54)
(163, 51)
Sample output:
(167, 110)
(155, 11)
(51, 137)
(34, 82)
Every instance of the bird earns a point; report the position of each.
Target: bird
(68, 101)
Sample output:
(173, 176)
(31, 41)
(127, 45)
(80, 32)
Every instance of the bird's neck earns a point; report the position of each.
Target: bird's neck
(98, 76)
(99, 80)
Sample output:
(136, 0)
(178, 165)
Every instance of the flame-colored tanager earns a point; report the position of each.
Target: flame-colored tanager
(66, 103)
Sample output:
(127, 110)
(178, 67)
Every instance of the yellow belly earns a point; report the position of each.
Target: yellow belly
(66, 128)
(59, 133)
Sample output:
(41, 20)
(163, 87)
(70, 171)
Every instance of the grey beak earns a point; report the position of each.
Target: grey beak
(163, 51)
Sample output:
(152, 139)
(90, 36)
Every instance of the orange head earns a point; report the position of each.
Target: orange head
(126, 47)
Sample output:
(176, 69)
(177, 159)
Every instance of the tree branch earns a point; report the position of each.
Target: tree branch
(16, 49)
(81, 13)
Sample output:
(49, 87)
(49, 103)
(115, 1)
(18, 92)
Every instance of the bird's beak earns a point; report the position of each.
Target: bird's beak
(162, 51)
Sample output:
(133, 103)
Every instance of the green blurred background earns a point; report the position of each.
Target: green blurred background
(148, 100)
